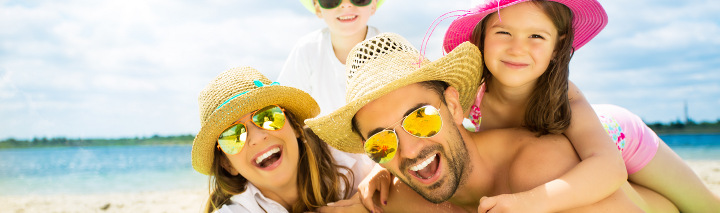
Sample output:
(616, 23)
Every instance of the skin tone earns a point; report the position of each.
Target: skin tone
(347, 24)
(480, 164)
(276, 178)
(517, 51)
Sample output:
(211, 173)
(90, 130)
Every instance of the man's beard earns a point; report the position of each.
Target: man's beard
(444, 188)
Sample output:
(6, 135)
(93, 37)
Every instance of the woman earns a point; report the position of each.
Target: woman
(259, 157)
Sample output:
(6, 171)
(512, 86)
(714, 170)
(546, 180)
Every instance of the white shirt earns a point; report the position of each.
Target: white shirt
(253, 201)
(313, 68)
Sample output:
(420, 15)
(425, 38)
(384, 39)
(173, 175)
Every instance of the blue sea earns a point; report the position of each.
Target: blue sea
(89, 170)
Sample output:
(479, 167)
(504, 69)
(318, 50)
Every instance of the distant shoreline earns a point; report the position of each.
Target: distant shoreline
(660, 129)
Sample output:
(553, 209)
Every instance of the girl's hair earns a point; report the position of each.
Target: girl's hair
(319, 179)
(548, 109)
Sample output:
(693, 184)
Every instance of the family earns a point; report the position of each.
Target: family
(361, 121)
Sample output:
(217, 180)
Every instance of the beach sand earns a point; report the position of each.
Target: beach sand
(194, 200)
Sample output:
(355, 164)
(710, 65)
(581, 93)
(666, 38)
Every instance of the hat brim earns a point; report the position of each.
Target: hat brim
(459, 68)
(589, 18)
(301, 104)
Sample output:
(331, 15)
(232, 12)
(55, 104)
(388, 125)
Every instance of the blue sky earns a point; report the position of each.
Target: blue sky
(112, 68)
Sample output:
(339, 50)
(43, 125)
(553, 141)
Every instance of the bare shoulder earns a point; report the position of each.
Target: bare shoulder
(539, 160)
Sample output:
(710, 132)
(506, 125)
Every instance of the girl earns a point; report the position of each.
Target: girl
(259, 157)
(527, 46)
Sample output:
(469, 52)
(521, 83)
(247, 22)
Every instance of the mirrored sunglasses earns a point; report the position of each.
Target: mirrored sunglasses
(232, 139)
(330, 4)
(423, 122)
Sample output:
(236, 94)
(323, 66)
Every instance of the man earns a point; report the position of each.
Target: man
(406, 114)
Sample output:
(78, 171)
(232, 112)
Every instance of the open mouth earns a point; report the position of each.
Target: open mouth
(426, 170)
(347, 18)
(269, 159)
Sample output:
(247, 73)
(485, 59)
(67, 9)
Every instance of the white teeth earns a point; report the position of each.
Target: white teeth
(423, 164)
(267, 154)
(346, 17)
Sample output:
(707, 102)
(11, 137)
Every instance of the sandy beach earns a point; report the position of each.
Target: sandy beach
(194, 200)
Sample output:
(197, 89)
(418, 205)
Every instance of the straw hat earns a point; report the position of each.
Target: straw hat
(309, 4)
(385, 63)
(589, 18)
(232, 94)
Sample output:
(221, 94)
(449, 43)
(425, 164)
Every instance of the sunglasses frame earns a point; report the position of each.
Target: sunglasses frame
(240, 121)
(394, 126)
(340, 2)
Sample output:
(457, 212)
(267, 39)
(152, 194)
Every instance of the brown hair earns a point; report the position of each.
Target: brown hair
(319, 180)
(548, 109)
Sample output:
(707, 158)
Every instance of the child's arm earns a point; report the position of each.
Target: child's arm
(600, 172)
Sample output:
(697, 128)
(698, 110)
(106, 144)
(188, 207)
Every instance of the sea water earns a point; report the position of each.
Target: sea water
(110, 169)
(97, 169)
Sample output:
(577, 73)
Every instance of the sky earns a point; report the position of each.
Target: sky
(134, 68)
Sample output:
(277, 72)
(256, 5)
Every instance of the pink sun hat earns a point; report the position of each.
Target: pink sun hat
(589, 18)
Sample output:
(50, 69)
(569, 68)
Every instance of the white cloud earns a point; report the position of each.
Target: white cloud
(126, 68)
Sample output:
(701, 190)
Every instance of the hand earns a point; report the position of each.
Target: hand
(379, 180)
(352, 204)
(509, 203)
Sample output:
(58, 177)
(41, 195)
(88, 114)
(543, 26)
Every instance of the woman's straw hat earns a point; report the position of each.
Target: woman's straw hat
(385, 63)
(589, 18)
(309, 4)
(232, 94)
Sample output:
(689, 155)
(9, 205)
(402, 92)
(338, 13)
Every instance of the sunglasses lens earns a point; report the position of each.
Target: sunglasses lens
(424, 122)
(361, 3)
(381, 146)
(232, 140)
(270, 118)
(329, 4)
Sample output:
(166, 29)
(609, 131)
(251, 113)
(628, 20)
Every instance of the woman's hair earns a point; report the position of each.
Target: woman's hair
(548, 109)
(319, 179)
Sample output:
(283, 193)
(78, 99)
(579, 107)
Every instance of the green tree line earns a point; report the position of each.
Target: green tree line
(63, 141)
(675, 127)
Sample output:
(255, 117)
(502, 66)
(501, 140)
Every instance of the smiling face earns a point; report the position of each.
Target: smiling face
(433, 166)
(346, 19)
(269, 159)
(519, 45)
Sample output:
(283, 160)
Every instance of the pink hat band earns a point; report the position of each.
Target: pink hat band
(589, 18)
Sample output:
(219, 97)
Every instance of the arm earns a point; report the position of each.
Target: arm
(600, 173)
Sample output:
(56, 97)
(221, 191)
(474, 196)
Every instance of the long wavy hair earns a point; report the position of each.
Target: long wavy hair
(548, 109)
(319, 179)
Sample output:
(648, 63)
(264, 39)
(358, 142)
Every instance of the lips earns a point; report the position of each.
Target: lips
(514, 65)
(427, 170)
(269, 159)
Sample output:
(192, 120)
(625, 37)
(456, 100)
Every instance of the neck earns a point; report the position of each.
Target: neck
(513, 96)
(286, 194)
(479, 177)
(342, 44)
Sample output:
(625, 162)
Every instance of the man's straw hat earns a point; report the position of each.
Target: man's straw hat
(232, 94)
(385, 63)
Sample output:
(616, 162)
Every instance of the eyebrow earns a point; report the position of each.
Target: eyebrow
(379, 129)
(503, 26)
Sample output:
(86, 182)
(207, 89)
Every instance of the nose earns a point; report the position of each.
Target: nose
(409, 146)
(346, 3)
(517, 46)
(255, 135)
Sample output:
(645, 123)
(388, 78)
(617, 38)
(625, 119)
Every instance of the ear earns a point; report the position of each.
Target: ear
(452, 99)
(373, 7)
(560, 39)
(318, 13)
(225, 163)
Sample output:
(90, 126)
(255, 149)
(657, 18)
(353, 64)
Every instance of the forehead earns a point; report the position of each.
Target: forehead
(524, 14)
(387, 109)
